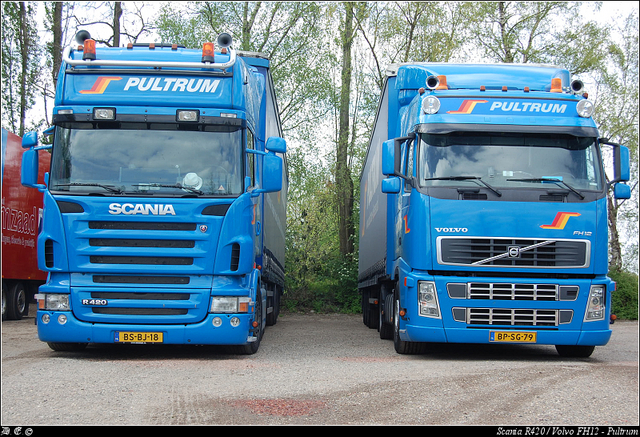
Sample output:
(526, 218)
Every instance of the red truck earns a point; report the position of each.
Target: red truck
(21, 213)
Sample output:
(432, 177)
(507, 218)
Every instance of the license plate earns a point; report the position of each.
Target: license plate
(512, 337)
(138, 337)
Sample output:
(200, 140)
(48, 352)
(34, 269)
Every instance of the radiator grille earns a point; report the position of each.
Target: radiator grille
(546, 292)
(512, 317)
(513, 252)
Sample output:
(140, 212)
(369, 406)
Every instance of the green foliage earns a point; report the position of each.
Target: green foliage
(624, 301)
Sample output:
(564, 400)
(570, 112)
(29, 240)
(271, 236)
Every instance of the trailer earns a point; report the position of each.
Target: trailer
(21, 214)
(164, 206)
(484, 209)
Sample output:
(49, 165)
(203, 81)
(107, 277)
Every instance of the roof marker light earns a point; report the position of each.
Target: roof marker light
(89, 51)
(443, 83)
(556, 85)
(207, 52)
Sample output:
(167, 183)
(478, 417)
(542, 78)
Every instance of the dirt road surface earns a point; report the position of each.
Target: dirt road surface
(317, 369)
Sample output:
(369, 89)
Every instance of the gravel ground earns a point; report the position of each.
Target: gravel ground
(317, 369)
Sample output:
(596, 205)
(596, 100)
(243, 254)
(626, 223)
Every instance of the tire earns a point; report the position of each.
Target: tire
(5, 296)
(67, 347)
(386, 329)
(571, 351)
(17, 304)
(403, 347)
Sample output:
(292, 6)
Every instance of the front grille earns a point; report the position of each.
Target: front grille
(511, 317)
(146, 260)
(513, 252)
(132, 242)
(141, 311)
(546, 292)
(142, 226)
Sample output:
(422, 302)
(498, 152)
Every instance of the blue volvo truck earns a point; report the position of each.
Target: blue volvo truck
(164, 206)
(483, 210)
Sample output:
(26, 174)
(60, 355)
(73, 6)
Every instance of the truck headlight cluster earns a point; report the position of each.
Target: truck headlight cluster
(428, 300)
(53, 302)
(230, 304)
(596, 303)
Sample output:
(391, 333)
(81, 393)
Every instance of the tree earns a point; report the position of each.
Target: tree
(617, 118)
(20, 67)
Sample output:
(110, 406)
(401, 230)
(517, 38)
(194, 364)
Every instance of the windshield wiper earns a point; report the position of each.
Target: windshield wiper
(109, 188)
(465, 178)
(182, 187)
(554, 180)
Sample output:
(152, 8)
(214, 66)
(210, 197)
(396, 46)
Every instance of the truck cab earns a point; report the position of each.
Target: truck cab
(164, 203)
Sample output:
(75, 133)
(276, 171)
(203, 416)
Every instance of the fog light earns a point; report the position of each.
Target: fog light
(104, 114)
(217, 321)
(428, 300)
(46, 318)
(430, 105)
(235, 322)
(62, 319)
(188, 116)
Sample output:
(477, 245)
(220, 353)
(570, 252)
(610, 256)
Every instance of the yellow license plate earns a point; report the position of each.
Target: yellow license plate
(138, 337)
(512, 337)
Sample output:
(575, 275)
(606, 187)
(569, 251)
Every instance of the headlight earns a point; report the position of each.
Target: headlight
(585, 108)
(597, 303)
(56, 302)
(428, 300)
(230, 304)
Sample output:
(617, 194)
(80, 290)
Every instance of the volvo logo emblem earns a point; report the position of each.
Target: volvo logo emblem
(514, 251)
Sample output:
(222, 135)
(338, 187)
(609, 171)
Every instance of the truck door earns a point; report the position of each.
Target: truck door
(408, 170)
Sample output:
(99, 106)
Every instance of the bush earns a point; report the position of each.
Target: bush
(624, 301)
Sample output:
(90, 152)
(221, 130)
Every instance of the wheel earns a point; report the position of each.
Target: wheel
(386, 307)
(5, 292)
(67, 347)
(16, 301)
(574, 351)
(272, 317)
(403, 347)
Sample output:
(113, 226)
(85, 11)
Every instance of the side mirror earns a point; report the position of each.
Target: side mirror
(29, 171)
(388, 158)
(621, 163)
(276, 145)
(622, 191)
(391, 185)
(271, 175)
(30, 139)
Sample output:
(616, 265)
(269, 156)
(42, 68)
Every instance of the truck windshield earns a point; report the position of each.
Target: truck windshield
(147, 159)
(509, 160)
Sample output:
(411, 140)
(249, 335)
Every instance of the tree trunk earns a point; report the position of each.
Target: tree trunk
(24, 56)
(615, 249)
(117, 13)
(344, 183)
(56, 51)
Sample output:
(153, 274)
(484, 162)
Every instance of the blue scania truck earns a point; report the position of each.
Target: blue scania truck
(483, 209)
(164, 206)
